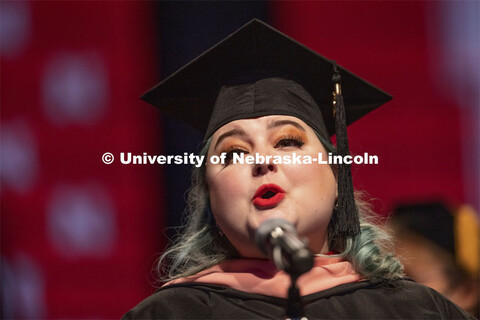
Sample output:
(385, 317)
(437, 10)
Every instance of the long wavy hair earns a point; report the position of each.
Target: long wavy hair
(198, 244)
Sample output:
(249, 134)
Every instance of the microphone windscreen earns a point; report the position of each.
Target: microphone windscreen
(265, 229)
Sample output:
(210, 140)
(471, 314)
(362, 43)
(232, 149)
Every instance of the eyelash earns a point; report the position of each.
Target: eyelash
(284, 142)
(295, 139)
(230, 151)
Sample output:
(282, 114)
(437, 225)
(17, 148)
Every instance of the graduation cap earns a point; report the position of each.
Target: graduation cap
(455, 232)
(259, 71)
(431, 220)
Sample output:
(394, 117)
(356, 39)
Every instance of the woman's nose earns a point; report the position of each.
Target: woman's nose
(260, 169)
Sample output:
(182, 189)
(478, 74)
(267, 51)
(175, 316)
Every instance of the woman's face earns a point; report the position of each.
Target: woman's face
(244, 195)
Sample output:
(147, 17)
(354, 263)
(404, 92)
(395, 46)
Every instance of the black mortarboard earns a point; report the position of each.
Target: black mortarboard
(454, 231)
(258, 71)
(431, 220)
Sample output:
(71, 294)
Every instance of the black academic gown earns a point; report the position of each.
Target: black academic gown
(402, 299)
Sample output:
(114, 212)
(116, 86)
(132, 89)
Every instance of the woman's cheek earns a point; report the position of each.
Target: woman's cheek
(227, 187)
(301, 172)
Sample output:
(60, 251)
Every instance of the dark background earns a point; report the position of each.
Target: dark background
(79, 237)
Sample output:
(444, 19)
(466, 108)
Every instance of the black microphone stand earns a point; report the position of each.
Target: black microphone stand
(295, 264)
(295, 306)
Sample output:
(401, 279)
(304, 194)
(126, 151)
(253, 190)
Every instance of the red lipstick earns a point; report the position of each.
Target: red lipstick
(268, 195)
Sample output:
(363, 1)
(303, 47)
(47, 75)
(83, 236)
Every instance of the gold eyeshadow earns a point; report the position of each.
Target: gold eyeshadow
(233, 147)
(231, 143)
(290, 134)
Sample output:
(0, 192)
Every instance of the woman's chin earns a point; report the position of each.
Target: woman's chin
(256, 217)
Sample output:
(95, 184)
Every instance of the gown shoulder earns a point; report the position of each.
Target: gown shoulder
(400, 299)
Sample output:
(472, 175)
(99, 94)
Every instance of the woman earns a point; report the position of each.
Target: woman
(262, 93)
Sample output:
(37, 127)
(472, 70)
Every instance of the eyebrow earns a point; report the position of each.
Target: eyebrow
(230, 133)
(280, 123)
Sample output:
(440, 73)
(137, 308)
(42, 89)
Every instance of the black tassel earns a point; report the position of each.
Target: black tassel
(344, 222)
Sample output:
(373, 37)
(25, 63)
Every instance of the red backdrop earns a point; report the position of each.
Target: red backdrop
(417, 136)
(79, 236)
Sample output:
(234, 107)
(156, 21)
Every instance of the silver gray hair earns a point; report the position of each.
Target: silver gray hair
(198, 245)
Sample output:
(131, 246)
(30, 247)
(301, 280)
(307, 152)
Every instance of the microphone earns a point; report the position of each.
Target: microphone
(279, 240)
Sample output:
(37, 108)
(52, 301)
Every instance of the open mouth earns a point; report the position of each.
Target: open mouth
(268, 195)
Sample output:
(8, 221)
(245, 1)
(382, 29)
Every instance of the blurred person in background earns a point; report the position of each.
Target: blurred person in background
(439, 248)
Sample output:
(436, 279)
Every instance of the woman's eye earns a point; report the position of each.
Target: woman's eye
(283, 143)
(229, 155)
